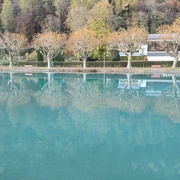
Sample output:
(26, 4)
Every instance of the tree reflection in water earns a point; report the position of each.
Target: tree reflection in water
(169, 103)
(51, 93)
(86, 123)
(14, 94)
(129, 99)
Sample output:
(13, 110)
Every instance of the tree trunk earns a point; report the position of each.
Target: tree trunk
(10, 62)
(175, 62)
(49, 63)
(84, 63)
(129, 60)
(78, 56)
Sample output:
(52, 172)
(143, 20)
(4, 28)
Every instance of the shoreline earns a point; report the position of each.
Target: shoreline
(101, 70)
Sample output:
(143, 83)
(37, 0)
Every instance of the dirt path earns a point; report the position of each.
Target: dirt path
(93, 70)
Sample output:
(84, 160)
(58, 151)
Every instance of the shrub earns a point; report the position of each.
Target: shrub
(22, 52)
(98, 53)
(134, 58)
(4, 62)
(39, 56)
(59, 57)
(32, 56)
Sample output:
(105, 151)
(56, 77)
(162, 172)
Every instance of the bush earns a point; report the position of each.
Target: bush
(121, 63)
(33, 63)
(22, 52)
(98, 53)
(134, 58)
(4, 62)
(32, 56)
(114, 55)
(59, 57)
(39, 56)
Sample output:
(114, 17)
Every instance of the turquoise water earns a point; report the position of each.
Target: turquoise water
(89, 127)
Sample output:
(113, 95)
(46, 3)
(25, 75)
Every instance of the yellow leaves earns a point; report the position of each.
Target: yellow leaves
(13, 41)
(133, 33)
(134, 36)
(49, 40)
(177, 22)
(170, 34)
(7, 16)
(77, 18)
(113, 38)
(102, 19)
(128, 41)
(26, 5)
(169, 29)
(84, 38)
(163, 29)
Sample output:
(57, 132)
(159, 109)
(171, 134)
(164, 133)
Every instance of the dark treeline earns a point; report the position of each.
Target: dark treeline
(63, 16)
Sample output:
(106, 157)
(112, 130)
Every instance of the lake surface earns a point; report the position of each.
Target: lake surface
(89, 127)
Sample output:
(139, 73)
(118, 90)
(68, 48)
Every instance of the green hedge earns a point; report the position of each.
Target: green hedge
(4, 63)
(33, 63)
(134, 58)
(135, 63)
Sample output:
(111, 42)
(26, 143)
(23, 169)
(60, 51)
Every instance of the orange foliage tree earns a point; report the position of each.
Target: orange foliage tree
(170, 40)
(128, 41)
(11, 43)
(50, 44)
(83, 42)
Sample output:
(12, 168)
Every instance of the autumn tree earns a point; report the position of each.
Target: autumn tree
(11, 43)
(170, 40)
(35, 17)
(139, 19)
(83, 42)
(155, 17)
(77, 18)
(62, 8)
(26, 5)
(25, 25)
(88, 4)
(102, 19)
(128, 41)
(49, 44)
(171, 10)
(40, 10)
(31, 18)
(7, 16)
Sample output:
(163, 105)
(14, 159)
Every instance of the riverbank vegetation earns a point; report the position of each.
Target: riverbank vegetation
(88, 27)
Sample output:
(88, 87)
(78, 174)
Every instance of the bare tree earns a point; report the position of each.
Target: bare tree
(50, 44)
(170, 40)
(77, 18)
(10, 44)
(128, 41)
(84, 42)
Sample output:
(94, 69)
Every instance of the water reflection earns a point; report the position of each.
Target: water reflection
(89, 126)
